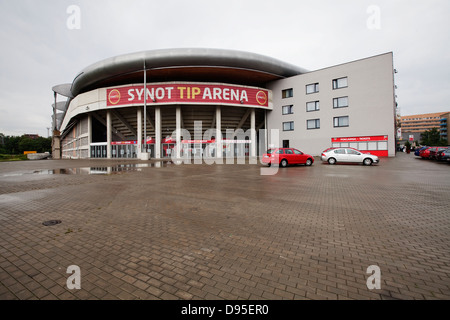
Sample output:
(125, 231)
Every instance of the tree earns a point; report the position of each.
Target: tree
(408, 146)
(432, 138)
(2, 143)
(43, 144)
(26, 144)
(12, 145)
(17, 145)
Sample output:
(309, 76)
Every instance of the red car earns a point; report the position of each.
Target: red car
(430, 152)
(433, 153)
(287, 156)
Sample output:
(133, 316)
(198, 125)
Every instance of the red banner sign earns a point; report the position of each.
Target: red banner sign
(151, 140)
(116, 143)
(360, 139)
(172, 141)
(188, 93)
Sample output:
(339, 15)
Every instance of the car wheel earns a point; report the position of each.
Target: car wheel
(367, 161)
(284, 163)
(332, 161)
(308, 162)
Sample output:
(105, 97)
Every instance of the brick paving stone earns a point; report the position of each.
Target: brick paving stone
(225, 232)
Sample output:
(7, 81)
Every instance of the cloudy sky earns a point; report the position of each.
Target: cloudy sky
(44, 44)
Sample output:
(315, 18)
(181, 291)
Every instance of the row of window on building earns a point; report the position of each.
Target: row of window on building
(311, 106)
(314, 87)
(315, 123)
(425, 118)
(341, 102)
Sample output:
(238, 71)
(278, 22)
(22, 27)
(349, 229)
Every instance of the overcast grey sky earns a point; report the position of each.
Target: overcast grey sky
(39, 50)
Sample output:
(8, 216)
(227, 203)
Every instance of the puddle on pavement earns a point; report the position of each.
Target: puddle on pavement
(94, 170)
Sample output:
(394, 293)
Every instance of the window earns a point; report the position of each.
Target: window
(372, 146)
(340, 83)
(313, 124)
(289, 151)
(288, 126)
(340, 121)
(312, 88)
(312, 106)
(339, 151)
(288, 93)
(288, 109)
(280, 151)
(341, 102)
(382, 145)
(362, 146)
(297, 151)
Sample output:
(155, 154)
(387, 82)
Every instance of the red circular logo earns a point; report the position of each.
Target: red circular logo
(261, 97)
(114, 96)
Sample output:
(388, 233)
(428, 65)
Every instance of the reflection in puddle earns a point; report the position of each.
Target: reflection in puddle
(95, 170)
(112, 169)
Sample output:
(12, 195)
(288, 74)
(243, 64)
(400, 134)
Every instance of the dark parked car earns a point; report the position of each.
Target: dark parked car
(434, 151)
(443, 155)
(429, 152)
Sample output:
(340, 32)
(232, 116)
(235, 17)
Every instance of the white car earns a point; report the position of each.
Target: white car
(347, 155)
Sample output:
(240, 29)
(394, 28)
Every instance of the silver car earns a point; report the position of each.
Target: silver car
(348, 155)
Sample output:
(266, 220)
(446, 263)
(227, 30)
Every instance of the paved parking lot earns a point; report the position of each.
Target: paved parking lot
(224, 231)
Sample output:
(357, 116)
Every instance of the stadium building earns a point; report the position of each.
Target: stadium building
(217, 103)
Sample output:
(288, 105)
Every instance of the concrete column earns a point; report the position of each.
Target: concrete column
(158, 132)
(178, 132)
(252, 134)
(89, 125)
(219, 144)
(139, 131)
(108, 134)
(56, 145)
(266, 132)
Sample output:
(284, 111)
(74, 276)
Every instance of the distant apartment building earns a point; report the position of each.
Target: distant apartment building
(443, 128)
(421, 122)
(414, 125)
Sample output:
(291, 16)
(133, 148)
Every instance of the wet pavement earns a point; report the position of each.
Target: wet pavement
(158, 230)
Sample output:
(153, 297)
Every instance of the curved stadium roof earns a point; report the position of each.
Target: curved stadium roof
(188, 64)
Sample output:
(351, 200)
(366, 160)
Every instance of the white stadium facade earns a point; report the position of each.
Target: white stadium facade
(199, 101)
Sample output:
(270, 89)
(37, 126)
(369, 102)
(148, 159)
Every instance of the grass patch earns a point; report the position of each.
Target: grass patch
(13, 157)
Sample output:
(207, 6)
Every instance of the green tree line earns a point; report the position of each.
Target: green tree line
(432, 138)
(19, 144)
